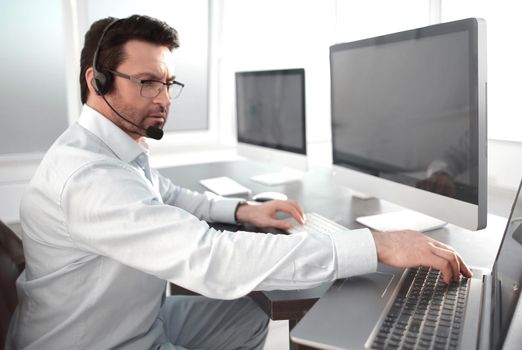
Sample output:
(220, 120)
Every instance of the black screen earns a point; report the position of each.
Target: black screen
(270, 109)
(507, 275)
(405, 108)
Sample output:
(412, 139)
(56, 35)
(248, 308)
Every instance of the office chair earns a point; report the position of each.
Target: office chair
(12, 263)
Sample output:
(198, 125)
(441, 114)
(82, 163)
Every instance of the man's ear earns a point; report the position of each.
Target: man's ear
(89, 76)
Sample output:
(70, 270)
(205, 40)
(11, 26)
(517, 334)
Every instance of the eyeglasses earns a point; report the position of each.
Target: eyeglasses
(151, 88)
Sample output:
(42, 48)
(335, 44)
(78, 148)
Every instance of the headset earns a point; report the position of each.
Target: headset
(102, 80)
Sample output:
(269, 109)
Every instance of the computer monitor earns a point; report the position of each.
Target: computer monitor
(409, 119)
(270, 114)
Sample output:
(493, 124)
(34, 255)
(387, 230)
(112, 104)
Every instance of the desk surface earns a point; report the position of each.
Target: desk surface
(317, 193)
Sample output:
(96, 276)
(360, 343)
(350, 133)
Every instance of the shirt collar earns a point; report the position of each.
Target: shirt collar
(118, 141)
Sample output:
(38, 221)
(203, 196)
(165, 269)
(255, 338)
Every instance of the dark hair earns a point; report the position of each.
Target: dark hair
(111, 52)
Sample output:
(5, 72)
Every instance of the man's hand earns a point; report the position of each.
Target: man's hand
(411, 249)
(263, 215)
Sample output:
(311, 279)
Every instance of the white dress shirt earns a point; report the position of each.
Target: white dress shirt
(102, 234)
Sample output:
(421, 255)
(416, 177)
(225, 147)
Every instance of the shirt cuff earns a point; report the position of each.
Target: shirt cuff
(356, 252)
(224, 209)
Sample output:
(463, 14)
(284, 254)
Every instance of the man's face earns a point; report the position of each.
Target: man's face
(144, 61)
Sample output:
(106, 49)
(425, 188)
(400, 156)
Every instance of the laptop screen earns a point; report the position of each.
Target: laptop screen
(507, 275)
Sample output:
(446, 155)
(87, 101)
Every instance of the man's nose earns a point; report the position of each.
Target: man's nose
(163, 98)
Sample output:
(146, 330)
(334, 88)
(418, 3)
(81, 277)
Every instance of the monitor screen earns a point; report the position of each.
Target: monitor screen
(270, 109)
(408, 107)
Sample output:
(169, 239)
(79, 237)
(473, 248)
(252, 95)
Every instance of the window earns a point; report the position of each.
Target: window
(34, 108)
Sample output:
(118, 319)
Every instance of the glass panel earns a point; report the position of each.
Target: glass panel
(33, 98)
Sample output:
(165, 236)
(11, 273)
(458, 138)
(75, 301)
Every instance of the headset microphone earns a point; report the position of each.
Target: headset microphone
(152, 131)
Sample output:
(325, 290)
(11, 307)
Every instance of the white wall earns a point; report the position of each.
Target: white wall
(504, 164)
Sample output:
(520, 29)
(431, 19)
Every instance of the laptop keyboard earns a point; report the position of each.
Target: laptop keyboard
(426, 313)
(317, 224)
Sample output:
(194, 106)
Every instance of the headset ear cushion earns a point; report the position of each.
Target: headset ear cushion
(101, 82)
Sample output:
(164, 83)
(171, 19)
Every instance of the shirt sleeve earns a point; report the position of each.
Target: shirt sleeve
(111, 211)
(204, 206)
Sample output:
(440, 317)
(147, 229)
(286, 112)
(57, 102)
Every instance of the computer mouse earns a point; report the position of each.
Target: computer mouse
(268, 196)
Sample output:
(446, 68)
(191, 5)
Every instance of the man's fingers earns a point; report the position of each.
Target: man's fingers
(464, 269)
(444, 266)
(264, 215)
(297, 206)
(280, 224)
(440, 244)
(291, 208)
(451, 257)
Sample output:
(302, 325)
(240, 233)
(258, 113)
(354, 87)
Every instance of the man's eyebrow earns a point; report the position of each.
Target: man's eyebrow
(152, 76)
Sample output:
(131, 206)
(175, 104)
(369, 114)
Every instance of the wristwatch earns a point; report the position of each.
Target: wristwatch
(243, 202)
(240, 203)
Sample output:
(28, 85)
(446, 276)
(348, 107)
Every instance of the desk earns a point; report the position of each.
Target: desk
(317, 193)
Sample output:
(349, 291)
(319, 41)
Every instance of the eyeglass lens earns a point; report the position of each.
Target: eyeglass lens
(154, 88)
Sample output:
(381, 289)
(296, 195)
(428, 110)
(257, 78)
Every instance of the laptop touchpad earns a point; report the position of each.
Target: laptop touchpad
(373, 283)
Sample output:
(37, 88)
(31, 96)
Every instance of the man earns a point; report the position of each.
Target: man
(103, 232)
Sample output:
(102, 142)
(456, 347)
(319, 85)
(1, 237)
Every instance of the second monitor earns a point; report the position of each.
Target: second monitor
(270, 115)
(409, 120)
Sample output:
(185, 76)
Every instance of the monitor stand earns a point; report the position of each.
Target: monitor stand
(401, 220)
(284, 176)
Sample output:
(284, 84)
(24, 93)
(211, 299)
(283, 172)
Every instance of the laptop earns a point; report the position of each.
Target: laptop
(413, 309)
